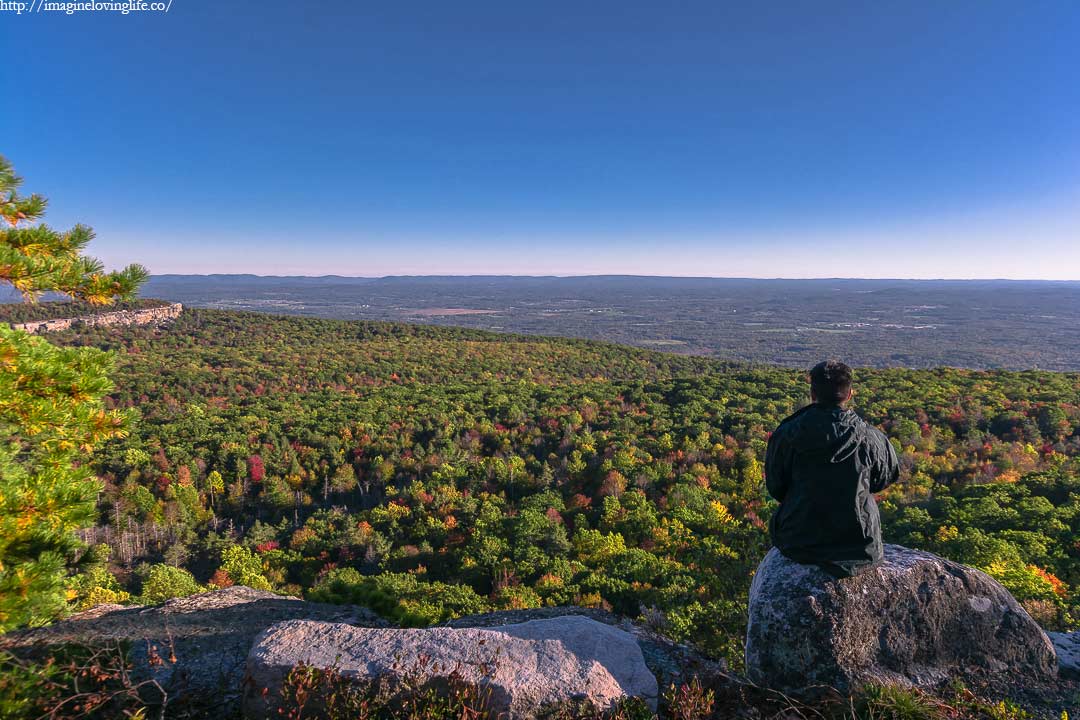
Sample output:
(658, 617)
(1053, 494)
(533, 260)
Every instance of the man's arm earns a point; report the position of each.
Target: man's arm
(886, 464)
(777, 465)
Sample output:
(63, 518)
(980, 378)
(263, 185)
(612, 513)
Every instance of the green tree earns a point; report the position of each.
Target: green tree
(36, 258)
(52, 412)
(164, 582)
(95, 584)
(343, 480)
(244, 567)
(215, 485)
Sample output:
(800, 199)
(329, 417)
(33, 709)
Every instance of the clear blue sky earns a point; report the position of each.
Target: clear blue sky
(797, 139)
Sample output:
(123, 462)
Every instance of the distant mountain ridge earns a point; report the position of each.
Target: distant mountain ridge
(369, 278)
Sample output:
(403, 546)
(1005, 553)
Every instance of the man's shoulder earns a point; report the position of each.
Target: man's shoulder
(814, 417)
(876, 435)
(792, 421)
(870, 434)
(862, 423)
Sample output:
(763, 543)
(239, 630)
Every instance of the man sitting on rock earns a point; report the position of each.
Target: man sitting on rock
(823, 464)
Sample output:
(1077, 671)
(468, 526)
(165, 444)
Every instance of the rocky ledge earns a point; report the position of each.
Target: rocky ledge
(223, 645)
(204, 639)
(145, 316)
(916, 620)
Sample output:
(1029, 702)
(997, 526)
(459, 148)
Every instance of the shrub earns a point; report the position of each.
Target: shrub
(76, 681)
(310, 692)
(243, 567)
(164, 582)
(399, 596)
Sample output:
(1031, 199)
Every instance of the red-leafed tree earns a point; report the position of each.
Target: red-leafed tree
(256, 469)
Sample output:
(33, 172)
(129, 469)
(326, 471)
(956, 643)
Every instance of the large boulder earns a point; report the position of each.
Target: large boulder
(522, 668)
(916, 619)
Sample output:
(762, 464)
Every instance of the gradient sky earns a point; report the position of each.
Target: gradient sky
(764, 139)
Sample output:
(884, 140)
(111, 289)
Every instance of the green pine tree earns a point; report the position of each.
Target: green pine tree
(52, 411)
(36, 258)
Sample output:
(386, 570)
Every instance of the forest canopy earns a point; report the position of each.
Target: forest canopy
(432, 472)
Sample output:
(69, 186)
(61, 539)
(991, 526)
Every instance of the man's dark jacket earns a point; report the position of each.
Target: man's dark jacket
(823, 464)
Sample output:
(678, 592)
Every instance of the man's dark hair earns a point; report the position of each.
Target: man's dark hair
(830, 381)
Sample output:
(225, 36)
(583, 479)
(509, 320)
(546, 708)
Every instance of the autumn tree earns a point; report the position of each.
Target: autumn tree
(52, 412)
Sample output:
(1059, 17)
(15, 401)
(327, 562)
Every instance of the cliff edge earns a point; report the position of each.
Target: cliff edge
(141, 316)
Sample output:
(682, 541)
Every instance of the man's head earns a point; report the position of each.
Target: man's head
(830, 383)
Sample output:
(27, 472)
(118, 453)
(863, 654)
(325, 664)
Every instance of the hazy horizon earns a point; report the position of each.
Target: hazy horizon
(611, 275)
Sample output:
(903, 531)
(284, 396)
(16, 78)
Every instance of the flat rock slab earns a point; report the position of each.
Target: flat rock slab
(523, 667)
(208, 634)
(1068, 653)
(916, 619)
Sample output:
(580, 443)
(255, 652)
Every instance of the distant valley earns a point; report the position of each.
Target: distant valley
(875, 323)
